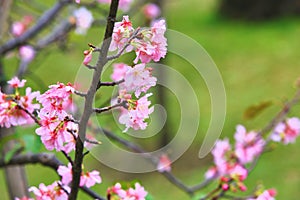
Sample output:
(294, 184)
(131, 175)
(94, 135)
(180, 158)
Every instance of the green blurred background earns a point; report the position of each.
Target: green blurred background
(259, 62)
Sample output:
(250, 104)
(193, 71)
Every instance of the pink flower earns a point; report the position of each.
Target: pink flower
(138, 79)
(138, 193)
(16, 83)
(266, 195)
(77, 1)
(124, 5)
(221, 152)
(84, 20)
(136, 114)
(88, 55)
(53, 191)
(248, 145)
(66, 173)
(89, 179)
(27, 53)
(238, 173)
(287, 131)
(119, 70)
(151, 11)
(121, 34)
(117, 190)
(154, 44)
(164, 164)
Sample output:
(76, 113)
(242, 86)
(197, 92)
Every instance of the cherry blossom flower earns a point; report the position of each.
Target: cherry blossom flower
(139, 79)
(27, 53)
(87, 179)
(117, 190)
(119, 70)
(211, 172)
(84, 20)
(12, 107)
(221, 152)
(16, 83)
(248, 145)
(266, 195)
(122, 32)
(287, 131)
(136, 193)
(154, 44)
(53, 191)
(124, 5)
(151, 11)
(136, 114)
(77, 1)
(164, 164)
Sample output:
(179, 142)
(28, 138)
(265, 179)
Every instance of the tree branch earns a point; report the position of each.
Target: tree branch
(44, 21)
(89, 98)
(45, 159)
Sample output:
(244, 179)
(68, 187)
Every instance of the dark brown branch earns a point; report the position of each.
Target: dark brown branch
(89, 98)
(44, 21)
(114, 83)
(45, 159)
(108, 108)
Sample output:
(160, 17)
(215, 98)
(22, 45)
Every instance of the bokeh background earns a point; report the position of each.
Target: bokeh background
(259, 62)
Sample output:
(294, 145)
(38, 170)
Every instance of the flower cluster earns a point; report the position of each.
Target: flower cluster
(119, 193)
(287, 131)
(57, 130)
(230, 164)
(15, 109)
(87, 179)
(148, 44)
(53, 191)
(265, 195)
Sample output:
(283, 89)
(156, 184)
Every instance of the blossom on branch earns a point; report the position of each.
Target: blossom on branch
(87, 179)
(136, 114)
(266, 195)
(136, 193)
(248, 145)
(286, 131)
(164, 164)
(53, 191)
(15, 109)
(27, 53)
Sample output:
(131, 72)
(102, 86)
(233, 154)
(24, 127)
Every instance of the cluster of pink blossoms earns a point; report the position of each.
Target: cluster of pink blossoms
(118, 193)
(137, 79)
(287, 131)
(84, 19)
(87, 179)
(230, 164)
(148, 44)
(14, 107)
(57, 130)
(53, 191)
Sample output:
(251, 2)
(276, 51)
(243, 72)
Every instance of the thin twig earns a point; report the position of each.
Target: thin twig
(68, 157)
(108, 108)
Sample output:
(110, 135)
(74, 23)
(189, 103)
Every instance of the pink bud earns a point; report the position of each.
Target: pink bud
(87, 59)
(272, 192)
(225, 186)
(17, 29)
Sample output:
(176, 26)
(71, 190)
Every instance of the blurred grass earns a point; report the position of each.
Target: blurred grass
(258, 62)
